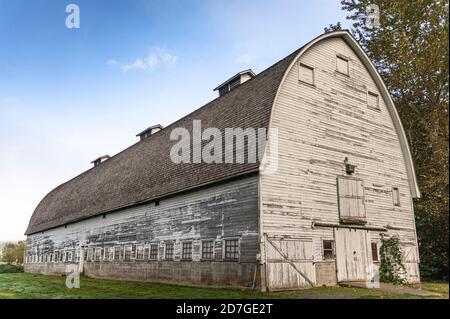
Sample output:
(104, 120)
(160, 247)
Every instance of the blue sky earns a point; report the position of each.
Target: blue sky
(70, 95)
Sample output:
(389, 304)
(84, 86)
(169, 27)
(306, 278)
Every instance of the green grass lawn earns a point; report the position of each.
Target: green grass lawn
(25, 285)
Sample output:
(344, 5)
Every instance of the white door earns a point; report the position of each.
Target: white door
(289, 263)
(353, 254)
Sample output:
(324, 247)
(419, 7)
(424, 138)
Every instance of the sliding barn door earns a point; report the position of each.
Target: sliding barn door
(353, 255)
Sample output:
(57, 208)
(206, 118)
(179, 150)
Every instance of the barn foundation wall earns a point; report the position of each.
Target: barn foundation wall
(181, 272)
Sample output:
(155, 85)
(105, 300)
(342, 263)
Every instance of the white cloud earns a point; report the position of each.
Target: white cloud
(157, 58)
(111, 62)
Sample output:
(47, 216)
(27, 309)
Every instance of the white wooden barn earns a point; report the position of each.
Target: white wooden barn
(344, 179)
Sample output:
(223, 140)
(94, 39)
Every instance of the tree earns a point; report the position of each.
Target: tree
(409, 46)
(13, 253)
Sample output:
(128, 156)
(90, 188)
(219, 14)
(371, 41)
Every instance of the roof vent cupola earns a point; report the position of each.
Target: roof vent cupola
(235, 81)
(100, 160)
(149, 131)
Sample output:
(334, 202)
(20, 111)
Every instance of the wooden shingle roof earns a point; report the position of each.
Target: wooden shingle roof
(145, 172)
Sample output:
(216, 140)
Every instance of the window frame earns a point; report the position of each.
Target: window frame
(98, 256)
(396, 196)
(212, 242)
(116, 256)
(172, 245)
(189, 242)
(377, 107)
(125, 248)
(333, 249)
(105, 254)
(151, 256)
(377, 260)
(300, 65)
(345, 58)
(238, 251)
(138, 247)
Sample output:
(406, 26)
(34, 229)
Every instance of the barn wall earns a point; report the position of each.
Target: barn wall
(229, 210)
(318, 127)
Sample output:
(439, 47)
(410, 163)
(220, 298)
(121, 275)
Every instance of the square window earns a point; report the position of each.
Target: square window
(232, 249)
(328, 249)
(342, 65)
(207, 249)
(306, 74)
(153, 252)
(186, 252)
(169, 251)
(373, 100)
(374, 252)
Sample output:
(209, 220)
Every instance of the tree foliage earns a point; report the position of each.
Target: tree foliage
(410, 50)
(13, 253)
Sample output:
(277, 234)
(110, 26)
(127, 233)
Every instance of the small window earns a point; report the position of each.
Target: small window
(128, 252)
(169, 251)
(207, 249)
(117, 253)
(342, 65)
(106, 253)
(306, 74)
(111, 253)
(232, 249)
(374, 252)
(91, 254)
(98, 254)
(146, 253)
(328, 249)
(396, 196)
(153, 252)
(186, 252)
(85, 253)
(373, 100)
(140, 252)
(56, 256)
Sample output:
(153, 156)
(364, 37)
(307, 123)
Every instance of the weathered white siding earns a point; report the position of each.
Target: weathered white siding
(318, 127)
(224, 211)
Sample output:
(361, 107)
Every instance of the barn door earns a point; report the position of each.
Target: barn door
(289, 263)
(351, 200)
(410, 258)
(353, 255)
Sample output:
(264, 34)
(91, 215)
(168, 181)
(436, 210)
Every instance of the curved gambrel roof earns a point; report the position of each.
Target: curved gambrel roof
(144, 172)
(351, 41)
